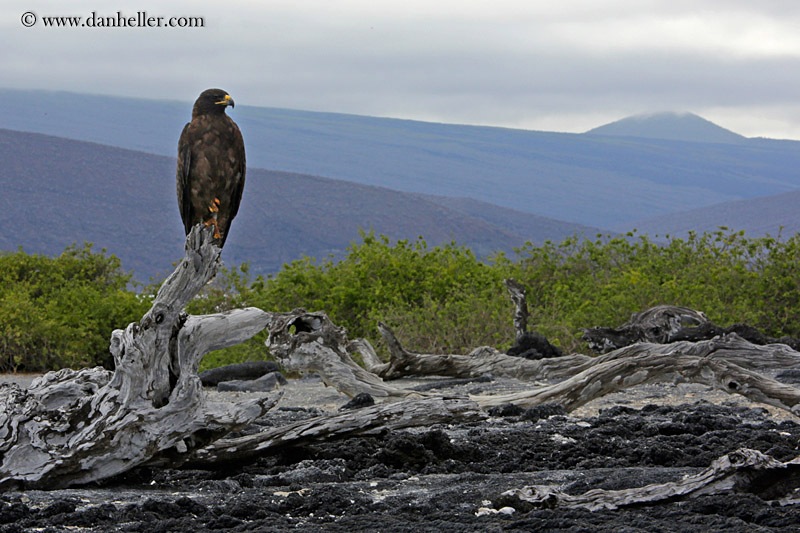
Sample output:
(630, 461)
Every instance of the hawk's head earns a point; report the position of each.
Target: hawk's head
(212, 101)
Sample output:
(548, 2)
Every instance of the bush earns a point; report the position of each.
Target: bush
(445, 300)
(60, 311)
(583, 283)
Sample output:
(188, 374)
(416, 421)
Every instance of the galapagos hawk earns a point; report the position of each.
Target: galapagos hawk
(211, 166)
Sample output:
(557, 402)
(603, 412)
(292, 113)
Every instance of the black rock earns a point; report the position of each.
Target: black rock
(532, 345)
(507, 409)
(240, 371)
(359, 400)
(265, 383)
(789, 376)
(538, 412)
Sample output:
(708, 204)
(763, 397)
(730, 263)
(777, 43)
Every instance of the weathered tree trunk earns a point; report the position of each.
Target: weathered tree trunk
(518, 295)
(482, 360)
(768, 358)
(741, 471)
(310, 342)
(371, 420)
(648, 363)
(76, 427)
(657, 324)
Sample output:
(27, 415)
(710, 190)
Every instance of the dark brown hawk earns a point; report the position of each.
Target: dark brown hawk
(211, 165)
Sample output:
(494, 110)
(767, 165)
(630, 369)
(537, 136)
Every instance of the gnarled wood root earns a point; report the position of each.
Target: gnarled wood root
(306, 342)
(73, 427)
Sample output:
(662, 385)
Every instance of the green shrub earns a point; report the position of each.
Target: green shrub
(445, 300)
(59, 311)
(406, 283)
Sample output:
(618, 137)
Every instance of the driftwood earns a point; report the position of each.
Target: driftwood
(741, 471)
(76, 427)
(727, 363)
(518, 295)
(665, 324)
(481, 361)
(704, 363)
(311, 342)
(372, 420)
(657, 324)
(306, 342)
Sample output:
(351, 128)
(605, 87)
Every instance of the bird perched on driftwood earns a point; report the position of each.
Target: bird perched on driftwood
(211, 166)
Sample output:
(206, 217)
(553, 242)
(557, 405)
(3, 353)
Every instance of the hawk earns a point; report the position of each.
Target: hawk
(211, 166)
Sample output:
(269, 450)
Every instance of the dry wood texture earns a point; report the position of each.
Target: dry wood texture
(306, 342)
(73, 427)
(741, 471)
(371, 420)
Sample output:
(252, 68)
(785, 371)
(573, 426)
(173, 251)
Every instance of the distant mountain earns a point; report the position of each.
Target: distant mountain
(672, 126)
(590, 179)
(757, 217)
(59, 191)
(518, 222)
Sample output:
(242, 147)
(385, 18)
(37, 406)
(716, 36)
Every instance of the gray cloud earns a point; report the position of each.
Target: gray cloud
(558, 65)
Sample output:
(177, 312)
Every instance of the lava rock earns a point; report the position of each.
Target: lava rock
(239, 371)
(265, 383)
(360, 400)
(507, 409)
(532, 345)
(538, 412)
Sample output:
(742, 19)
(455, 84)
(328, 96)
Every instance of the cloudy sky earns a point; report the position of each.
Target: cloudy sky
(560, 66)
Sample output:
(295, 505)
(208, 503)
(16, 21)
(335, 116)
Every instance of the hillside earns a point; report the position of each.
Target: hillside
(757, 217)
(515, 221)
(59, 191)
(672, 126)
(591, 179)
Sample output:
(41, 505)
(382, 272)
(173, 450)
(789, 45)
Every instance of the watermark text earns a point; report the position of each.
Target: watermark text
(140, 19)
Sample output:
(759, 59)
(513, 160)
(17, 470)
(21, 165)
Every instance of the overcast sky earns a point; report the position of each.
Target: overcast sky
(565, 65)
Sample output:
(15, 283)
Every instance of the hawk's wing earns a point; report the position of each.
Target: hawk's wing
(238, 179)
(183, 179)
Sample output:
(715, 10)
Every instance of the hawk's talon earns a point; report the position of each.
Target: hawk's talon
(213, 222)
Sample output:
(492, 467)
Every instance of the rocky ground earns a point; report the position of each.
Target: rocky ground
(448, 478)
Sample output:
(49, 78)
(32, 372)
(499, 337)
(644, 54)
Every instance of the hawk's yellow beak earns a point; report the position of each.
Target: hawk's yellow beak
(226, 101)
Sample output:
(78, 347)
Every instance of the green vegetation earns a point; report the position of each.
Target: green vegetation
(60, 312)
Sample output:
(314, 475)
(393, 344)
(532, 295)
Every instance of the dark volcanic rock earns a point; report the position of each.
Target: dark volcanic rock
(532, 345)
(789, 376)
(359, 400)
(265, 383)
(437, 479)
(507, 409)
(240, 371)
(545, 410)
